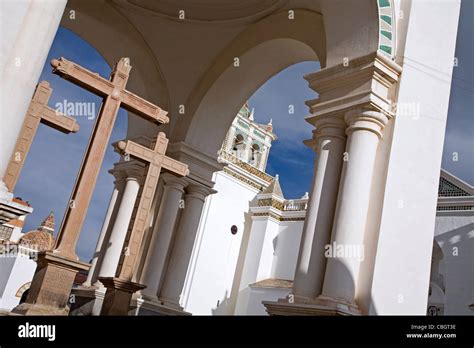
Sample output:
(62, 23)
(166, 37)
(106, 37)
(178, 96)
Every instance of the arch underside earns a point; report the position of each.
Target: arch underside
(169, 71)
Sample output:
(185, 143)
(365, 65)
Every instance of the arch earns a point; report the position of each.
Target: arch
(22, 289)
(101, 24)
(352, 29)
(264, 49)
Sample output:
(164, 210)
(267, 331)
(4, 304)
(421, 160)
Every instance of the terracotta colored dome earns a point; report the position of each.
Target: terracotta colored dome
(39, 240)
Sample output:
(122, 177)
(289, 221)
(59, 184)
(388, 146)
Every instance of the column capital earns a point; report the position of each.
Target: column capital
(199, 191)
(364, 82)
(132, 169)
(365, 119)
(174, 181)
(327, 126)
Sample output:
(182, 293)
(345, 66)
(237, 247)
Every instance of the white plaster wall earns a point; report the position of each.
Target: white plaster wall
(216, 249)
(406, 235)
(272, 254)
(268, 253)
(286, 252)
(258, 259)
(22, 271)
(455, 235)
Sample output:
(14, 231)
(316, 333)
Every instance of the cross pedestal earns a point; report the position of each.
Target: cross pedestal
(118, 295)
(54, 277)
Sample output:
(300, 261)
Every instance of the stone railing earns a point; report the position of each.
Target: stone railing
(295, 205)
(286, 205)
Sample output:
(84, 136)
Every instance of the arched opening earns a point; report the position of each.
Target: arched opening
(101, 24)
(277, 110)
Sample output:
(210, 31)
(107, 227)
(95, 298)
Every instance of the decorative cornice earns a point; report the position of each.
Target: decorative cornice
(225, 157)
(243, 179)
(364, 82)
(201, 166)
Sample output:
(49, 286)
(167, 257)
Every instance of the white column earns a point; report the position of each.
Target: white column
(329, 140)
(363, 132)
(114, 247)
(118, 187)
(183, 245)
(27, 30)
(162, 235)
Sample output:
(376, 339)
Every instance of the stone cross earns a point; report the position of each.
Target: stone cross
(54, 276)
(120, 288)
(38, 112)
(115, 95)
(157, 160)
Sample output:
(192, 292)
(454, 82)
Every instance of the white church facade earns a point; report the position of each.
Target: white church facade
(247, 243)
(194, 224)
(235, 273)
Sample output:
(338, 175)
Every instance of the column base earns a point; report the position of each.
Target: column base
(146, 306)
(321, 306)
(88, 300)
(51, 285)
(118, 295)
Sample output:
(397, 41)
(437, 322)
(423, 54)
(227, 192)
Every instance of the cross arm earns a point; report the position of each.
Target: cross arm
(153, 157)
(143, 108)
(82, 77)
(175, 166)
(58, 121)
(136, 150)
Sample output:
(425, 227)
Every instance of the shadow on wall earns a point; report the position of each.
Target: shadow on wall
(458, 248)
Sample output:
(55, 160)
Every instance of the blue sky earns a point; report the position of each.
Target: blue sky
(53, 162)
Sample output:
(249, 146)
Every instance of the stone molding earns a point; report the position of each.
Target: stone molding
(365, 82)
(172, 181)
(201, 166)
(132, 169)
(369, 120)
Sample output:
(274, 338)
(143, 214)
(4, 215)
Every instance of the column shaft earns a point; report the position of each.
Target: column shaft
(342, 271)
(183, 245)
(160, 243)
(105, 225)
(118, 234)
(311, 264)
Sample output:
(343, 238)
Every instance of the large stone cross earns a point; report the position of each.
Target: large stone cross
(115, 95)
(121, 287)
(54, 276)
(38, 112)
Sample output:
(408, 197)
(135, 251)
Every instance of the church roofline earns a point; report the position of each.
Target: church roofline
(457, 181)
